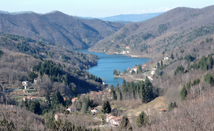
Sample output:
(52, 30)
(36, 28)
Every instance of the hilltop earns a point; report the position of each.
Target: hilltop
(57, 28)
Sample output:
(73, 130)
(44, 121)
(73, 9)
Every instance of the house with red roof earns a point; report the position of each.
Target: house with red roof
(29, 98)
(127, 47)
(108, 117)
(133, 69)
(150, 77)
(98, 93)
(116, 121)
(113, 120)
(143, 66)
(162, 110)
(74, 99)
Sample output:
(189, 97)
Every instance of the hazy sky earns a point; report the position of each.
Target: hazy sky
(99, 8)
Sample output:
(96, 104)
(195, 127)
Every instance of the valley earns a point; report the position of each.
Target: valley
(62, 72)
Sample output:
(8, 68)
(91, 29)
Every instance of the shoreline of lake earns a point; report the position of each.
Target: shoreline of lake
(127, 55)
(108, 63)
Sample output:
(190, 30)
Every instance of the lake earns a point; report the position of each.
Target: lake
(107, 64)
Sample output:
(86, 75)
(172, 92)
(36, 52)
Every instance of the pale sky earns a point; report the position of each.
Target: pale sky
(99, 8)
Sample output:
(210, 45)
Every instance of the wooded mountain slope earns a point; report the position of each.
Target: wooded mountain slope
(58, 68)
(58, 28)
(162, 35)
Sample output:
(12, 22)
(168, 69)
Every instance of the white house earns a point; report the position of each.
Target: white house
(127, 52)
(109, 117)
(166, 58)
(57, 116)
(94, 111)
(71, 108)
(116, 121)
(152, 72)
(150, 77)
(25, 84)
(124, 52)
(36, 81)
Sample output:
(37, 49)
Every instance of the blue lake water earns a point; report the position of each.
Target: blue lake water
(107, 64)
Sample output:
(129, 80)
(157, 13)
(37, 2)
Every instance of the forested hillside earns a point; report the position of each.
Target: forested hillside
(58, 28)
(180, 43)
(163, 35)
(182, 35)
(58, 68)
(55, 75)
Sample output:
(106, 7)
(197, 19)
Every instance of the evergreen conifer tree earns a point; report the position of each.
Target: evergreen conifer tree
(141, 119)
(125, 124)
(106, 107)
(84, 107)
(48, 99)
(57, 99)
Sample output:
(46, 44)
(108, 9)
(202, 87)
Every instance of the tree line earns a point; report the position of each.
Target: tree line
(186, 88)
(204, 64)
(143, 90)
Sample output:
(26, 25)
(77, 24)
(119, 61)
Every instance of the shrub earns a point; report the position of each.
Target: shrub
(171, 106)
(189, 58)
(208, 78)
(183, 93)
(163, 27)
(141, 119)
(125, 124)
(65, 58)
(179, 69)
(1, 53)
(146, 36)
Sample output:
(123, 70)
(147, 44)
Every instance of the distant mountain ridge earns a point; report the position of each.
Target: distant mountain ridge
(58, 28)
(131, 17)
(16, 13)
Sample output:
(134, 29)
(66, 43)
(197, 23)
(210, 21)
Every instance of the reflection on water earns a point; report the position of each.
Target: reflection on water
(107, 64)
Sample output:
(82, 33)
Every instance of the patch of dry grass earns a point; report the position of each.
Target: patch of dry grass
(132, 108)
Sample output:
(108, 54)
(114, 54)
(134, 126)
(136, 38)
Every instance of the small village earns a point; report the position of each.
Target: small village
(28, 92)
(135, 75)
(123, 50)
(102, 120)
